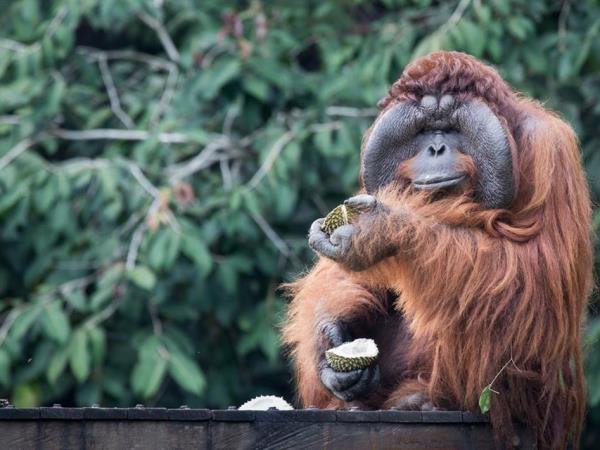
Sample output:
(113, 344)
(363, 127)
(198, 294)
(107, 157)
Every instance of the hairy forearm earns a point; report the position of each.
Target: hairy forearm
(380, 234)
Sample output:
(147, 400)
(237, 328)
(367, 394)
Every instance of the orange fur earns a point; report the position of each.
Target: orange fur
(479, 289)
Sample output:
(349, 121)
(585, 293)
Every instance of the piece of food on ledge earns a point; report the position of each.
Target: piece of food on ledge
(264, 402)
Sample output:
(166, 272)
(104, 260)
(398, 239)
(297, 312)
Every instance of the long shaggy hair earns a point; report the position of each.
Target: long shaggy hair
(485, 294)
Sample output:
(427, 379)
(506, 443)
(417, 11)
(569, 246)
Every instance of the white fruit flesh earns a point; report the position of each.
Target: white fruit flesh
(359, 347)
(264, 402)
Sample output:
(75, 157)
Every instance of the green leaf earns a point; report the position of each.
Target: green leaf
(195, 249)
(100, 297)
(221, 73)
(4, 368)
(55, 322)
(186, 373)
(143, 277)
(147, 378)
(519, 27)
(484, 399)
(164, 248)
(323, 141)
(431, 43)
(149, 371)
(256, 87)
(97, 338)
(24, 322)
(269, 343)
(79, 356)
(9, 199)
(57, 364)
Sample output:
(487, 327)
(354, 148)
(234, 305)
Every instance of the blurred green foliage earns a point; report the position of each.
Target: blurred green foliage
(160, 162)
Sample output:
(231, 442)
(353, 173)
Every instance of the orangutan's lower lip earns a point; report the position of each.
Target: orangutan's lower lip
(437, 182)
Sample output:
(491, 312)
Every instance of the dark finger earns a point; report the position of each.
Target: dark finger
(339, 381)
(341, 234)
(319, 242)
(361, 201)
(316, 226)
(322, 245)
(366, 382)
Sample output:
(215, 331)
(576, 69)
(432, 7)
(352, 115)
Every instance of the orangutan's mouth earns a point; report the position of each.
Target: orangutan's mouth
(437, 182)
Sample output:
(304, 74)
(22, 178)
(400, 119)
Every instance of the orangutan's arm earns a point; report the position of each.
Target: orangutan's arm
(324, 304)
(380, 231)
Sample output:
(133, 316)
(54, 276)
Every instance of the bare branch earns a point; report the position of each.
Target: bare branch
(8, 322)
(271, 234)
(455, 16)
(113, 134)
(18, 150)
(172, 221)
(15, 46)
(77, 164)
(137, 173)
(226, 174)
(274, 152)
(329, 126)
(156, 322)
(113, 95)
(9, 120)
(56, 21)
(167, 95)
(103, 315)
(347, 111)
(153, 61)
(230, 117)
(164, 37)
(198, 162)
(562, 24)
(77, 283)
(127, 226)
(134, 245)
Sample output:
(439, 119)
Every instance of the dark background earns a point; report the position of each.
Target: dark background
(160, 162)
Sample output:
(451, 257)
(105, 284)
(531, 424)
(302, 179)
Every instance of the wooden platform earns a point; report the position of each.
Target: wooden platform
(160, 428)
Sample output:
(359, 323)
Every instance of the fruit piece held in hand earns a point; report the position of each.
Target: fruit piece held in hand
(340, 215)
(357, 354)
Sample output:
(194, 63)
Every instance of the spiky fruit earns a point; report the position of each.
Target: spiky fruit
(338, 216)
(264, 402)
(357, 354)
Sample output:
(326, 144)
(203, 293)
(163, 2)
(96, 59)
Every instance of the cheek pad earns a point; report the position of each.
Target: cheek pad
(391, 141)
(485, 140)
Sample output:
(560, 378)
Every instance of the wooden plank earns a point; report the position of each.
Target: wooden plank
(158, 428)
(18, 435)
